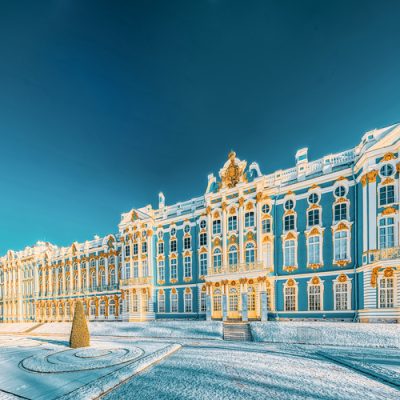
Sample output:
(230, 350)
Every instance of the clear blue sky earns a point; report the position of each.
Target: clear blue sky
(105, 103)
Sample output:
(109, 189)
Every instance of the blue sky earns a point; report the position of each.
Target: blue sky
(104, 104)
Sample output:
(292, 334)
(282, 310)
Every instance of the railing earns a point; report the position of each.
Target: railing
(237, 268)
(390, 253)
(143, 280)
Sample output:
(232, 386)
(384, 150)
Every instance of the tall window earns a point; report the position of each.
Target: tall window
(386, 195)
(313, 217)
(217, 306)
(187, 243)
(188, 302)
(249, 219)
(174, 302)
(250, 253)
(144, 247)
(161, 271)
(203, 264)
(251, 299)
(290, 298)
(289, 253)
(341, 296)
(203, 301)
(103, 278)
(187, 266)
(172, 246)
(111, 307)
(161, 302)
(216, 226)
(289, 223)
(314, 297)
(102, 308)
(340, 239)
(266, 225)
(232, 256)
(314, 247)
(386, 233)
(203, 239)
(232, 223)
(386, 293)
(217, 259)
(135, 303)
(340, 212)
(135, 269)
(160, 247)
(127, 250)
(135, 249)
(233, 300)
(173, 268)
(145, 268)
(112, 277)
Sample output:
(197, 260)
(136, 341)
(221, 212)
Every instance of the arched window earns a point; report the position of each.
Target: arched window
(75, 282)
(93, 308)
(60, 310)
(111, 306)
(217, 305)
(103, 278)
(102, 308)
(233, 300)
(161, 302)
(314, 297)
(188, 301)
(174, 301)
(290, 298)
(217, 259)
(53, 310)
(187, 263)
(68, 310)
(93, 280)
(232, 256)
(203, 264)
(251, 299)
(250, 253)
(84, 279)
(161, 270)
(112, 277)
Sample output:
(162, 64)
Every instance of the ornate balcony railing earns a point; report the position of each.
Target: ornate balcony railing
(143, 280)
(390, 253)
(237, 268)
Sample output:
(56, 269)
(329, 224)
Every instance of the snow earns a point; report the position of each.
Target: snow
(16, 327)
(250, 371)
(156, 329)
(327, 333)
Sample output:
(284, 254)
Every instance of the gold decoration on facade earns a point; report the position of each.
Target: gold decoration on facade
(314, 231)
(216, 214)
(341, 200)
(372, 176)
(342, 227)
(389, 210)
(250, 236)
(290, 235)
(233, 173)
(267, 239)
(314, 186)
(232, 211)
(208, 210)
(398, 167)
(315, 280)
(249, 206)
(388, 272)
(388, 156)
(233, 239)
(259, 196)
(342, 278)
(217, 241)
(223, 206)
(341, 263)
(364, 180)
(374, 276)
(290, 282)
(314, 265)
(134, 215)
(241, 201)
(187, 279)
(341, 178)
(289, 268)
(387, 181)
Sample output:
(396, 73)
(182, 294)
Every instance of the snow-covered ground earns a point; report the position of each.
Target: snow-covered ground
(156, 329)
(16, 327)
(328, 333)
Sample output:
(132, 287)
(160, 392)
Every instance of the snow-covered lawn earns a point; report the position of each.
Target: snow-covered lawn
(256, 371)
(16, 327)
(156, 329)
(328, 333)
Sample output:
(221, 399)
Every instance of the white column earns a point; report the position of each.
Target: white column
(241, 225)
(365, 215)
(258, 231)
(372, 212)
(224, 231)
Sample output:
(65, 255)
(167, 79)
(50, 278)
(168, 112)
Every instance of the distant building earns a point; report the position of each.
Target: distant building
(319, 240)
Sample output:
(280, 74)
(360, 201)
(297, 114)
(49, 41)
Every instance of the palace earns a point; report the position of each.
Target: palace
(316, 241)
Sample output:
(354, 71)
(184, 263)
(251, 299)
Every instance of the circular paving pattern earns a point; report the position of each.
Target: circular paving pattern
(82, 359)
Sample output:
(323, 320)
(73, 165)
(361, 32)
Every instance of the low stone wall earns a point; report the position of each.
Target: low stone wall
(327, 333)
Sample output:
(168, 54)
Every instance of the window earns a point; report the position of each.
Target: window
(203, 264)
(135, 269)
(340, 212)
(266, 208)
(187, 267)
(203, 301)
(387, 170)
(249, 219)
(266, 225)
(111, 307)
(127, 251)
(188, 302)
(386, 233)
(186, 228)
(314, 250)
(173, 231)
(172, 246)
(232, 256)
(144, 247)
(187, 243)
(289, 205)
(250, 253)
(386, 195)
(160, 247)
(342, 296)
(145, 268)
(340, 191)
(251, 299)
(217, 306)
(289, 223)
(217, 259)
(386, 293)
(161, 271)
(314, 297)
(161, 302)
(112, 277)
(289, 253)
(174, 302)
(173, 268)
(203, 224)
(103, 278)
(160, 234)
(135, 303)
(203, 239)
(290, 298)
(216, 227)
(340, 246)
(313, 198)
(102, 308)
(233, 300)
(135, 249)
(232, 223)
(313, 217)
